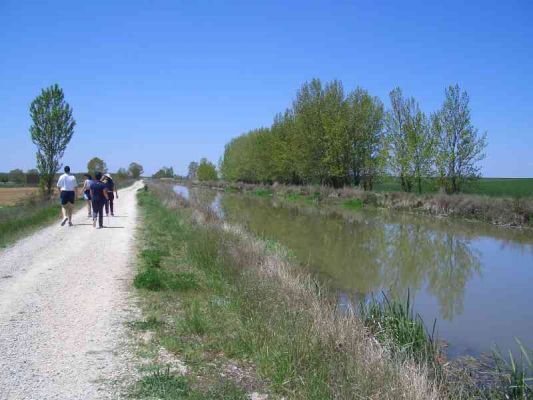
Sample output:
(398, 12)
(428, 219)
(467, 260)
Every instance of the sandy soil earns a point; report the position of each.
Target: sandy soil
(64, 301)
(10, 196)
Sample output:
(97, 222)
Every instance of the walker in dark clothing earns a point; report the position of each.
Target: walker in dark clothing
(98, 201)
(110, 196)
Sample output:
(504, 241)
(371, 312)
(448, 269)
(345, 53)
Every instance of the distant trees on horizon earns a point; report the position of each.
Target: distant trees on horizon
(330, 138)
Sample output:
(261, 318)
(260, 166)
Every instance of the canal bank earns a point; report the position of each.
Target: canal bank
(237, 252)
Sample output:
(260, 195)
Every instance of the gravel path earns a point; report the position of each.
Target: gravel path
(64, 300)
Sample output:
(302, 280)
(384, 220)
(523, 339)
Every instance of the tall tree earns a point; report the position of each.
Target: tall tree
(309, 135)
(51, 131)
(122, 174)
(421, 144)
(460, 145)
(396, 128)
(135, 170)
(207, 171)
(366, 138)
(96, 164)
(193, 169)
(411, 141)
(164, 172)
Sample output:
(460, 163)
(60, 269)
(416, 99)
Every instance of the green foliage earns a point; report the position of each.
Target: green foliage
(326, 137)
(164, 172)
(262, 193)
(96, 164)
(51, 131)
(329, 138)
(149, 279)
(152, 257)
(353, 204)
(206, 171)
(192, 170)
(135, 170)
(517, 375)
(122, 174)
(16, 220)
(460, 146)
(395, 323)
(161, 384)
(17, 176)
(411, 141)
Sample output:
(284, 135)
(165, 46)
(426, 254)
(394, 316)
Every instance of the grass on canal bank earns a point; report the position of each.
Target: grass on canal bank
(250, 323)
(227, 315)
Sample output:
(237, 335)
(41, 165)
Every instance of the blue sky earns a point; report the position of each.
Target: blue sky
(167, 82)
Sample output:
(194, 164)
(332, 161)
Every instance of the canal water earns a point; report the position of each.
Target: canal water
(476, 280)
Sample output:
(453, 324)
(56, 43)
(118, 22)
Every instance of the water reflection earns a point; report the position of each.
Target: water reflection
(368, 255)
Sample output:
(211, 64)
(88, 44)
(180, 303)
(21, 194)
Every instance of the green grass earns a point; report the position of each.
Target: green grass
(494, 187)
(353, 204)
(235, 315)
(502, 187)
(155, 279)
(262, 192)
(297, 197)
(395, 321)
(16, 221)
(152, 257)
(517, 375)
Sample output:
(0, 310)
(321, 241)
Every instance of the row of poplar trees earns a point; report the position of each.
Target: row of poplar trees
(330, 138)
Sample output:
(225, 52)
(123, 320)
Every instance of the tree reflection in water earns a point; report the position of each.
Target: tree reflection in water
(367, 254)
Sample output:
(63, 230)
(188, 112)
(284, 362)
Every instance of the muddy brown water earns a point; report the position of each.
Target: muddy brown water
(476, 280)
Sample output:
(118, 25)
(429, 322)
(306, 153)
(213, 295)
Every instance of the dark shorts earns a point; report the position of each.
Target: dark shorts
(67, 196)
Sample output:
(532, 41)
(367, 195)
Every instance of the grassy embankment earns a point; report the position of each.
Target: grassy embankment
(30, 211)
(507, 211)
(243, 318)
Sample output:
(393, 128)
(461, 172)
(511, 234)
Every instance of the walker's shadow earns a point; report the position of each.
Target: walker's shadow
(114, 227)
(82, 224)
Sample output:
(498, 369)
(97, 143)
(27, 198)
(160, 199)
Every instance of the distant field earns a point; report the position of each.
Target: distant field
(10, 196)
(496, 187)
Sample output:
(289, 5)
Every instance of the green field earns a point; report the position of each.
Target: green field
(496, 187)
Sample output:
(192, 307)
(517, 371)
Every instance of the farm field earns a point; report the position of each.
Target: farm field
(494, 187)
(12, 195)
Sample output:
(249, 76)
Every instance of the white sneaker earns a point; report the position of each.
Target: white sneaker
(94, 222)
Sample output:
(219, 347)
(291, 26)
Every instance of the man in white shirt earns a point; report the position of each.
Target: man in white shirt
(67, 186)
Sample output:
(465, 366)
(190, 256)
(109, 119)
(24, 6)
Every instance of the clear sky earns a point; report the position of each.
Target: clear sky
(167, 82)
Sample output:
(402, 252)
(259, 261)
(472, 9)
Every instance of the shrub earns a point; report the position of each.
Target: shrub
(149, 279)
(152, 257)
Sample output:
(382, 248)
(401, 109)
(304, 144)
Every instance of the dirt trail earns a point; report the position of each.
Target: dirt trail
(64, 299)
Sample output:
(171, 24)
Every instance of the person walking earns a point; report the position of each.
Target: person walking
(98, 199)
(111, 187)
(87, 193)
(67, 186)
